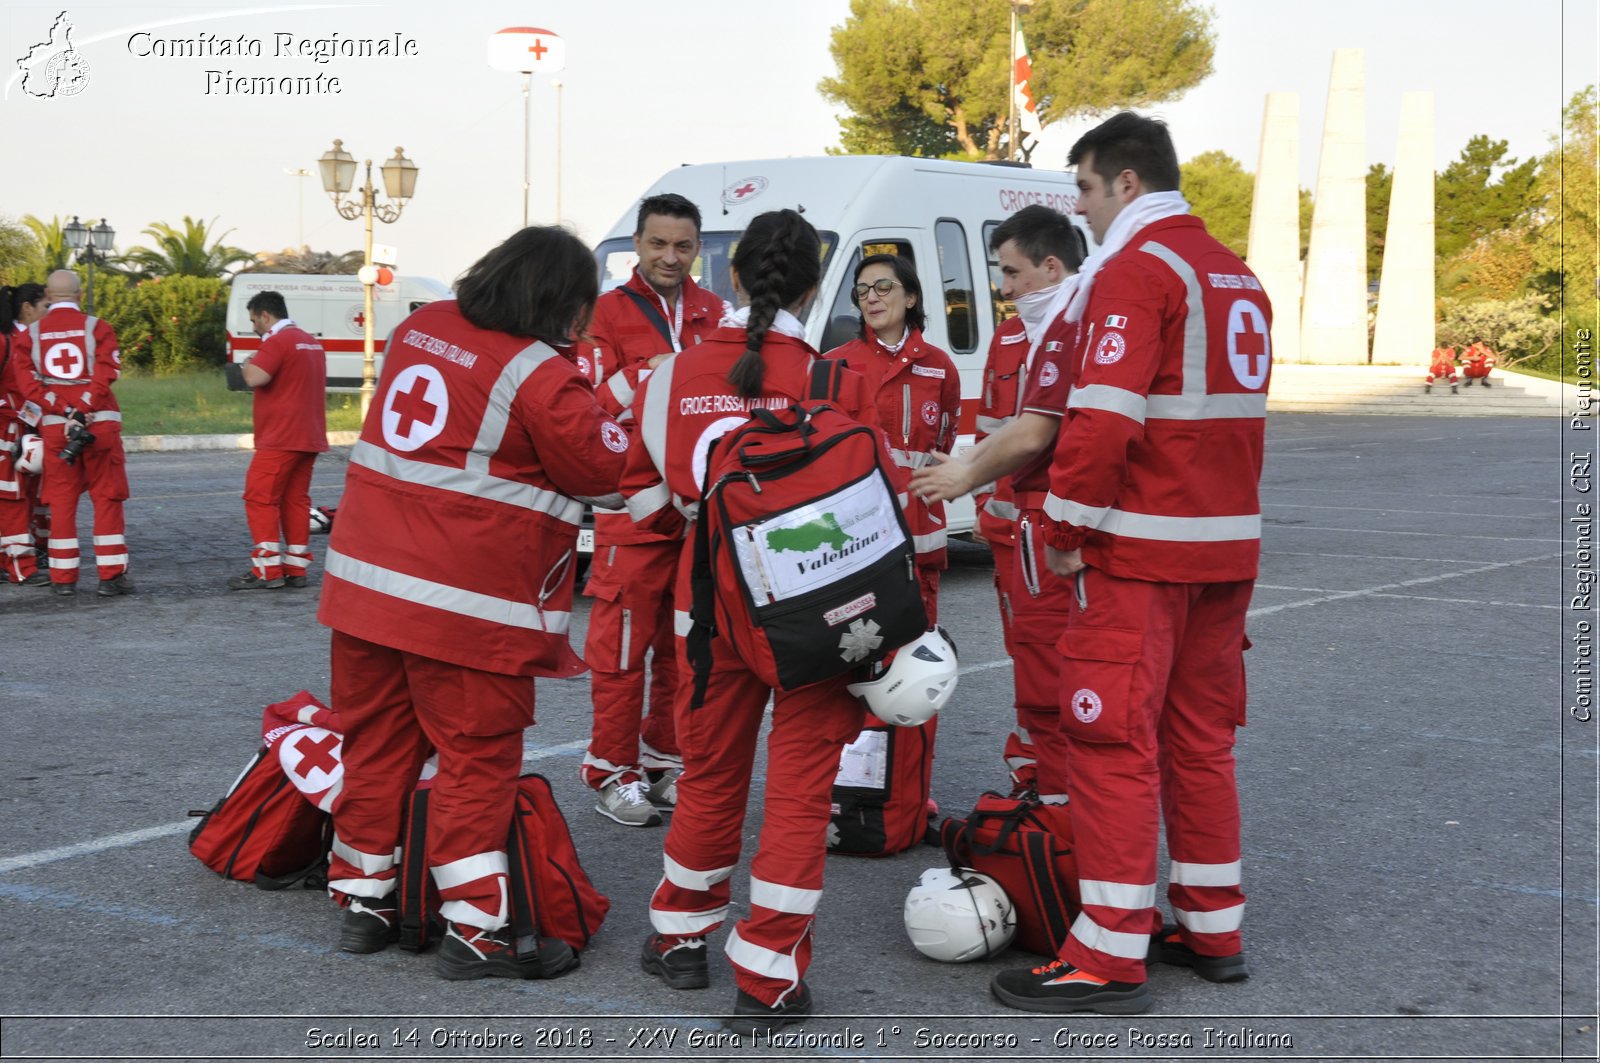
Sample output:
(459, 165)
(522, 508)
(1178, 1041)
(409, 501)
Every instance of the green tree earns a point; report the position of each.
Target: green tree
(1220, 192)
(193, 251)
(166, 324)
(18, 253)
(1481, 192)
(1380, 185)
(50, 241)
(1564, 247)
(931, 77)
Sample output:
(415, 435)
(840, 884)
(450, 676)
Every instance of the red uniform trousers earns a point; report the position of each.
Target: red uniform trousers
(19, 525)
(928, 585)
(102, 470)
(397, 708)
(1039, 601)
(1020, 755)
(1152, 689)
(771, 947)
(277, 506)
(632, 588)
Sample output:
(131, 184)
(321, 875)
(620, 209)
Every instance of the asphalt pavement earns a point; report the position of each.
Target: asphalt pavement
(1420, 808)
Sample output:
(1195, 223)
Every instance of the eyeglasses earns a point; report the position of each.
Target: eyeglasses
(882, 286)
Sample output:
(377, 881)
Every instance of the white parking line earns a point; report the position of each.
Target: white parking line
(1365, 592)
(1426, 535)
(1411, 512)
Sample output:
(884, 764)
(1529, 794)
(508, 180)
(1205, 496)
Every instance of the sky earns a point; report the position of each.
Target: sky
(647, 87)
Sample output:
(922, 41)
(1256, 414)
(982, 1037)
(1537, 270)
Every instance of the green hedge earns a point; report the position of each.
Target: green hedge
(166, 325)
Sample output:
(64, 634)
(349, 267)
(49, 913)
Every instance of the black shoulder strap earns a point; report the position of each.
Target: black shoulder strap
(827, 375)
(652, 313)
(1048, 891)
(524, 898)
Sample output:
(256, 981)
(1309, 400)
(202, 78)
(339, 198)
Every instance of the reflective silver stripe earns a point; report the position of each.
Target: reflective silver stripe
(1207, 407)
(1194, 322)
(477, 483)
(63, 562)
(790, 899)
(1001, 510)
(763, 961)
(1225, 921)
(296, 561)
(653, 418)
(1094, 936)
(990, 425)
(1131, 896)
(910, 459)
(116, 540)
(470, 869)
(1150, 526)
(627, 637)
(63, 544)
(621, 390)
(370, 888)
(447, 598)
(366, 863)
(1182, 874)
(93, 418)
(689, 879)
(686, 922)
(469, 913)
(1130, 404)
(9, 485)
(682, 623)
(936, 540)
(497, 412)
(650, 500)
(110, 559)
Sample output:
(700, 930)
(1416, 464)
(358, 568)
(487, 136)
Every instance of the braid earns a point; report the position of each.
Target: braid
(778, 259)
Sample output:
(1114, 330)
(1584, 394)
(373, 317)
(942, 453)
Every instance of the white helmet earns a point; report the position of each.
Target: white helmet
(957, 916)
(912, 684)
(321, 520)
(30, 458)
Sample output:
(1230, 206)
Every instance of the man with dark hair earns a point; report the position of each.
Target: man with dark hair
(633, 758)
(1154, 515)
(448, 587)
(1037, 249)
(289, 377)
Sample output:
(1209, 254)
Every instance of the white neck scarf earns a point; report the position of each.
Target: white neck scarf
(1146, 210)
(785, 324)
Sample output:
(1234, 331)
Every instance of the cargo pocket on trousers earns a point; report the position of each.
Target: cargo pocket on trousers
(1244, 685)
(1097, 682)
(117, 476)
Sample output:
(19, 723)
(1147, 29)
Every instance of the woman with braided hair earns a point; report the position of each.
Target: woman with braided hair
(757, 359)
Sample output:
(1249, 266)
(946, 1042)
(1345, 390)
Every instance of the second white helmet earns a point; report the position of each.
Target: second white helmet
(960, 915)
(30, 458)
(915, 683)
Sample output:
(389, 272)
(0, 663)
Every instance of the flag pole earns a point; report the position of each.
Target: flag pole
(1011, 91)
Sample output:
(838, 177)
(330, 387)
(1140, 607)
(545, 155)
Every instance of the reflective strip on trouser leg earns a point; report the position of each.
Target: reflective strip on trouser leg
(111, 551)
(64, 559)
(780, 898)
(479, 876)
(359, 874)
(297, 557)
(687, 902)
(770, 964)
(1098, 939)
(686, 924)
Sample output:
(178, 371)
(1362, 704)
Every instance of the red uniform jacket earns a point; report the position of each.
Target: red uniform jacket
(458, 527)
(1157, 469)
(624, 336)
(1046, 384)
(917, 392)
(998, 406)
(62, 366)
(12, 426)
(291, 411)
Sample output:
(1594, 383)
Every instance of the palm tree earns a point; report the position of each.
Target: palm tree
(193, 252)
(52, 250)
(305, 260)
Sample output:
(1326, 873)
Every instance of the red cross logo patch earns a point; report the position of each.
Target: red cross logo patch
(415, 408)
(311, 759)
(1086, 705)
(743, 190)
(65, 361)
(1249, 345)
(614, 437)
(930, 412)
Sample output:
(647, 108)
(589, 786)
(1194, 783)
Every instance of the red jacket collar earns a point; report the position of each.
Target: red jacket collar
(694, 305)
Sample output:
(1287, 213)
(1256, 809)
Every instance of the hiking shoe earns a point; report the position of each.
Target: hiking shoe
(294, 581)
(118, 584)
(751, 1015)
(1058, 986)
(252, 582)
(370, 924)
(681, 966)
(628, 803)
(39, 578)
(1168, 947)
(663, 790)
(65, 589)
(469, 952)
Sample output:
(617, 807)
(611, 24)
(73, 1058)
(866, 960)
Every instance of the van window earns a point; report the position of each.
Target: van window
(617, 258)
(955, 272)
(1003, 309)
(844, 320)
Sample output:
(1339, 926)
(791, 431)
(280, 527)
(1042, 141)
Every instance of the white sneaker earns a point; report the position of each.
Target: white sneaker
(628, 803)
(663, 793)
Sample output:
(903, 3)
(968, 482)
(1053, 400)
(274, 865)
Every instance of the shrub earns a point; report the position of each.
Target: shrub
(1518, 330)
(167, 324)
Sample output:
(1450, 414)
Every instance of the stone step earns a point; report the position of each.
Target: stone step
(1398, 389)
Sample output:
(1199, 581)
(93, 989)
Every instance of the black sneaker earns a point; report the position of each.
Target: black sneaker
(252, 582)
(369, 925)
(681, 966)
(64, 589)
(1168, 947)
(1059, 987)
(294, 581)
(118, 584)
(469, 952)
(751, 1015)
(39, 578)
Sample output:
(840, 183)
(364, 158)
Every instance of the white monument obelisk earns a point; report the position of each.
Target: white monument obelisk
(1405, 296)
(1275, 221)
(1333, 319)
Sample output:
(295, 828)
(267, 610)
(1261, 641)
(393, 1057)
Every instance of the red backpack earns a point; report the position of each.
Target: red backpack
(1026, 846)
(802, 559)
(880, 796)
(264, 831)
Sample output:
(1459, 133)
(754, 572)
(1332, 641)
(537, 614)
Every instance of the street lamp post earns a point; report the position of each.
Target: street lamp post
(89, 246)
(399, 182)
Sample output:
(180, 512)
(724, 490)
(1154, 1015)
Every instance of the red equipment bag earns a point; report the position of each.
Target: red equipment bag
(1025, 846)
(551, 895)
(264, 831)
(880, 796)
(801, 559)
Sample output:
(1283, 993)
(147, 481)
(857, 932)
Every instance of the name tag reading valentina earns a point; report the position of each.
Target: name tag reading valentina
(821, 542)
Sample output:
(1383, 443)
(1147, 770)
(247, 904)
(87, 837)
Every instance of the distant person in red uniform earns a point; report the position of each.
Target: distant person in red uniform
(68, 361)
(289, 377)
(1154, 516)
(448, 586)
(23, 522)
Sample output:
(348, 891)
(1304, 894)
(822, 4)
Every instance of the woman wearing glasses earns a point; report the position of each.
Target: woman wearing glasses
(916, 389)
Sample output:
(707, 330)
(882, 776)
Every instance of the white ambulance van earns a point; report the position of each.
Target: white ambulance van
(938, 214)
(332, 309)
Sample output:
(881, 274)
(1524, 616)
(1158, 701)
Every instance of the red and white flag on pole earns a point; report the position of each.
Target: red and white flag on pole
(1021, 92)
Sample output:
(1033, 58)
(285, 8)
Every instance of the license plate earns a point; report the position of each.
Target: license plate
(585, 540)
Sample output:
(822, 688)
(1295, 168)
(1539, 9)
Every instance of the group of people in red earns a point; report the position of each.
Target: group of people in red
(1118, 479)
(1475, 363)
